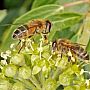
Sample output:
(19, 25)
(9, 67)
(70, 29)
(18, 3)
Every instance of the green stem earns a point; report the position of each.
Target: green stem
(57, 73)
(27, 84)
(35, 82)
(42, 79)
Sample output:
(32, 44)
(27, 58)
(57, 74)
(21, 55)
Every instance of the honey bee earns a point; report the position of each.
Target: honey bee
(37, 26)
(63, 46)
(33, 27)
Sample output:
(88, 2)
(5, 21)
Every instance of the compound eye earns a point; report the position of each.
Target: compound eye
(54, 46)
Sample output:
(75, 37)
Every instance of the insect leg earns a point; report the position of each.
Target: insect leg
(72, 56)
(18, 42)
(22, 46)
(69, 55)
(62, 52)
(45, 39)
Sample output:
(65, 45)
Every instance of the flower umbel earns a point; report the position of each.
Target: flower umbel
(36, 67)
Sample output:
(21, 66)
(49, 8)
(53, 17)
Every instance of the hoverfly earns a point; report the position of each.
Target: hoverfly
(63, 46)
(37, 26)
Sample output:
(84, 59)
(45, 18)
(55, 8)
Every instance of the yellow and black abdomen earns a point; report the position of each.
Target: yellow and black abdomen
(21, 32)
(80, 52)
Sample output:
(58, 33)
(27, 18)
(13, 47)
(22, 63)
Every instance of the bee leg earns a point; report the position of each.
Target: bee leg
(69, 58)
(45, 39)
(18, 43)
(73, 58)
(44, 36)
(17, 46)
(69, 55)
(61, 54)
(30, 37)
(22, 46)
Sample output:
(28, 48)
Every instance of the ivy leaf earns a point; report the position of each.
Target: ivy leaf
(84, 39)
(38, 3)
(81, 8)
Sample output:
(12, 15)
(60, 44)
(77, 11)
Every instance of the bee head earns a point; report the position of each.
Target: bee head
(48, 25)
(54, 46)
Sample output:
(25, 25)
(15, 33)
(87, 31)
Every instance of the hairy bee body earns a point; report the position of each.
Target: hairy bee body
(32, 28)
(64, 45)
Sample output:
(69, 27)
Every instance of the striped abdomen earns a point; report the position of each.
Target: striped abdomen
(80, 52)
(35, 26)
(21, 32)
(63, 46)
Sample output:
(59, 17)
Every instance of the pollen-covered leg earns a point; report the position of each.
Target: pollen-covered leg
(45, 39)
(71, 56)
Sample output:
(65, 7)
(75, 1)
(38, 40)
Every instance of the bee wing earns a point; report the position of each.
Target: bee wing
(79, 44)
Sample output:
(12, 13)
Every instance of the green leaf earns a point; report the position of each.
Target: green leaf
(77, 8)
(88, 46)
(61, 23)
(3, 13)
(38, 3)
(13, 4)
(11, 15)
(85, 35)
(76, 37)
(81, 8)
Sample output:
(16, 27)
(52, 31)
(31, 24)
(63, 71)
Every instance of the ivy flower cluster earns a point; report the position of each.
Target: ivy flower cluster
(37, 68)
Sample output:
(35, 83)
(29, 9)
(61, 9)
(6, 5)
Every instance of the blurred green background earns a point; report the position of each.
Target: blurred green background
(72, 22)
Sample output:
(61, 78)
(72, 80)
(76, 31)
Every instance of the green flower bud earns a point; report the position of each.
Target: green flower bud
(24, 72)
(36, 69)
(5, 85)
(10, 70)
(74, 87)
(18, 59)
(18, 86)
(50, 84)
